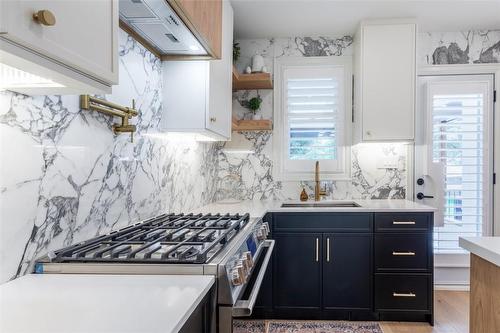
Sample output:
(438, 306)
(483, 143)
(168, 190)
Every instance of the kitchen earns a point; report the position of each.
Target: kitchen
(249, 166)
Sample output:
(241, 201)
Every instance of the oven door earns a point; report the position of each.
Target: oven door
(243, 307)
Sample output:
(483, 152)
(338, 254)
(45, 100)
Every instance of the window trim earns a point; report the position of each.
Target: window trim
(279, 142)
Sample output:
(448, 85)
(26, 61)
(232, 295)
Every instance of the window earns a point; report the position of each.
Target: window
(460, 144)
(312, 117)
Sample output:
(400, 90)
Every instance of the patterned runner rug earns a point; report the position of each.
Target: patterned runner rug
(286, 326)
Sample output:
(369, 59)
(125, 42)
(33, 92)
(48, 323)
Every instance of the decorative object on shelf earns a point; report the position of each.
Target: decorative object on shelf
(257, 63)
(91, 103)
(264, 70)
(256, 81)
(236, 51)
(253, 104)
(303, 194)
(248, 70)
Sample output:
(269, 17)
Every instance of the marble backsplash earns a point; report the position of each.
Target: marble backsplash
(467, 47)
(65, 177)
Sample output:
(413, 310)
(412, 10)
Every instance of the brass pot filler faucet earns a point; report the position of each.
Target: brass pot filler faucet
(91, 103)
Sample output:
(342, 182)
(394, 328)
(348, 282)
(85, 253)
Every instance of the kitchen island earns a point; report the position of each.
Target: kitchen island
(484, 283)
(73, 303)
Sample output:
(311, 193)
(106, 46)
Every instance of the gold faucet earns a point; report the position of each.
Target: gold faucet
(318, 192)
(88, 102)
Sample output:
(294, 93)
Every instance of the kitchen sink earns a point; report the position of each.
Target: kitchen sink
(319, 204)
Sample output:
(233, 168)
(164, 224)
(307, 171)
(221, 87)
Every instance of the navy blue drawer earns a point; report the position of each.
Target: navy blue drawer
(398, 222)
(339, 222)
(402, 252)
(398, 292)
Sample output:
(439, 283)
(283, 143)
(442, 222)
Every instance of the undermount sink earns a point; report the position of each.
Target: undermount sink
(320, 204)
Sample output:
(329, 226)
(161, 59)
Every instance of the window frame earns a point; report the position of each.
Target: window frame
(280, 149)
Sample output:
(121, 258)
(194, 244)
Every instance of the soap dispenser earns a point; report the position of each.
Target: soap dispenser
(303, 194)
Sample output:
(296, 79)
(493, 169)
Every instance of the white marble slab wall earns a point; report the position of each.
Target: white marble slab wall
(64, 176)
(467, 47)
(250, 176)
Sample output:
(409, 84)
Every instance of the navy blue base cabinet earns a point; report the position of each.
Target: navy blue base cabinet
(349, 266)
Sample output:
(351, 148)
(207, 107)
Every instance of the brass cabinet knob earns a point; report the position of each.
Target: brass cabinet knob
(213, 119)
(44, 17)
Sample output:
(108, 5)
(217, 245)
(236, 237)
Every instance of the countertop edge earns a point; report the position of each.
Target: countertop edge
(188, 314)
(471, 245)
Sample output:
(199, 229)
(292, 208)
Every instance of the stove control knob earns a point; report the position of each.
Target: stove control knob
(266, 225)
(249, 258)
(237, 277)
(260, 234)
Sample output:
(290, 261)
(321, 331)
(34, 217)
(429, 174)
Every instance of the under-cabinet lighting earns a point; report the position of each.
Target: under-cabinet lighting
(11, 78)
(182, 136)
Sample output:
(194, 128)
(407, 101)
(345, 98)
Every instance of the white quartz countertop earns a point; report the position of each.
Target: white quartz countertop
(100, 303)
(259, 208)
(487, 248)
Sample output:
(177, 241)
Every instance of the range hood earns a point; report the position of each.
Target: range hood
(158, 24)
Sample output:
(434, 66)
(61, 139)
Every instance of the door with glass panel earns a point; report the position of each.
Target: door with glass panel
(454, 156)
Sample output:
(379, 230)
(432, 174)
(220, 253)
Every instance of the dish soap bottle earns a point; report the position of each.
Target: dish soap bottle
(303, 194)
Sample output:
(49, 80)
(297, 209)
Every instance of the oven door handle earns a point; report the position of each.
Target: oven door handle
(244, 308)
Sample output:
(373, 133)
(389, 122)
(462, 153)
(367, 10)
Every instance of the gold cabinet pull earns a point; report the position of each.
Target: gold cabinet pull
(403, 222)
(408, 253)
(317, 249)
(44, 17)
(328, 249)
(395, 294)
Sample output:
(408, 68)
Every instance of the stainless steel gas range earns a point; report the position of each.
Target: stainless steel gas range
(234, 248)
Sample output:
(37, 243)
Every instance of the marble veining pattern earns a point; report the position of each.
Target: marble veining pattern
(250, 176)
(65, 177)
(468, 47)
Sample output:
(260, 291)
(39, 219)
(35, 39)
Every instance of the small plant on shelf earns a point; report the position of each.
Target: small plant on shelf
(236, 51)
(253, 104)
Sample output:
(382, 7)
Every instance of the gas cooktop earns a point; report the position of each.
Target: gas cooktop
(163, 239)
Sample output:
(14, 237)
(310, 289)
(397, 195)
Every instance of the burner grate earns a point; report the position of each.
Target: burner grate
(168, 238)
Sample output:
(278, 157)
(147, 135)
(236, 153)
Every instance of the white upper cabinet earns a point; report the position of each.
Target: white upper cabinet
(385, 76)
(197, 95)
(73, 43)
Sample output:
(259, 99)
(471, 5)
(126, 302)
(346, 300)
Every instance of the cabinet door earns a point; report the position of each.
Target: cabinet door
(220, 98)
(347, 271)
(84, 36)
(388, 81)
(297, 264)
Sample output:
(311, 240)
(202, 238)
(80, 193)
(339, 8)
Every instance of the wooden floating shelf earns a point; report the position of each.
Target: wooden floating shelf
(251, 81)
(252, 125)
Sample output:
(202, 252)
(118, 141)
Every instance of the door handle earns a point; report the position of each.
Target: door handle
(421, 196)
(317, 249)
(328, 249)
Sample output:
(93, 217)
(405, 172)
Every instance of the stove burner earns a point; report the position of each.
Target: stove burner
(166, 238)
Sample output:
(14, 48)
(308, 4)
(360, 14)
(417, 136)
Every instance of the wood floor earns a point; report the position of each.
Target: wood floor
(451, 316)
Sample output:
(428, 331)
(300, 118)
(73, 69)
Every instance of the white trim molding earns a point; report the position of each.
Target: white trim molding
(467, 69)
(343, 171)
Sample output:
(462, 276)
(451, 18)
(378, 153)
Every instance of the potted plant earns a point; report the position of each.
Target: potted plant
(253, 104)
(236, 51)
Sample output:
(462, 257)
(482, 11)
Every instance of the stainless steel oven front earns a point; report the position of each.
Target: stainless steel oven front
(240, 276)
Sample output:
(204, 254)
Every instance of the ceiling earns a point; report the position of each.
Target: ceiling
(285, 18)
